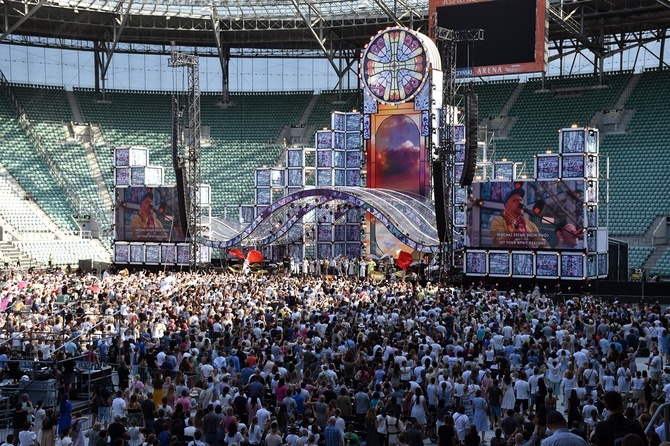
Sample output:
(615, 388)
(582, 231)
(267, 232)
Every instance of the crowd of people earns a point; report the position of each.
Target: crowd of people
(224, 359)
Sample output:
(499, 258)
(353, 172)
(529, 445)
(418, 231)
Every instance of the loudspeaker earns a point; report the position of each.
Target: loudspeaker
(86, 265)
(440, 205)
(40, 390)
(471, 124)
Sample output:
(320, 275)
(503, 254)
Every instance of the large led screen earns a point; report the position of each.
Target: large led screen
(396, 159)
(148, 214)
(514, 34)
(526, 215)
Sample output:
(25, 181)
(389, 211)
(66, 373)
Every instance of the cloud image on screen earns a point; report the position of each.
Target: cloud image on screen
(398, 154)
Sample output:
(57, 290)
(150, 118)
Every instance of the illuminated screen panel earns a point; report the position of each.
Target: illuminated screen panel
(168, 253)
(183, 254)
(527, 215)
(137, 253)
(523, 264)
(502, 51)
(572, 266)
(152, 254)
(397, 160)
(499, 263)
(145, 214)
(121, 253)
(547, 265)
(397, 155)
(475, 262)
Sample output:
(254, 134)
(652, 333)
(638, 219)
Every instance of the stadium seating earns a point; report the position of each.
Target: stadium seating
(637, 255)
(493, 96)
(47, 110)
(330, 101)
(542, 112)
(242, 134)
(662, 267)
(130, 119)
(18, 155)
(63, 251)
(16, 213)
(637, 159)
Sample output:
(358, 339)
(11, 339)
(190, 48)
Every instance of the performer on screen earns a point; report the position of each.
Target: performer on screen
(569, 237)
(511, 230)
(144, 225)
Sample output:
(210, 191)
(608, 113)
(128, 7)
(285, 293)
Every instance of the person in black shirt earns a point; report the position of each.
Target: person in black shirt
(472, 438)
(616, 425)
(116, 430)
(148, 412)
(124, 374)
(495, 395)
(446, 434)
(414, 436)
(67, 368)
(509, 424)
(19, 417)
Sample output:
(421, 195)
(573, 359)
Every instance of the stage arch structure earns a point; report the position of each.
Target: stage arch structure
(409, 217)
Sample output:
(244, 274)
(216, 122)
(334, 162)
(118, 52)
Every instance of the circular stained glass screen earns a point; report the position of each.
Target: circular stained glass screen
(394, 66)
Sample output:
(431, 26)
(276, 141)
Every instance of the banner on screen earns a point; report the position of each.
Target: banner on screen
(527, 215)
(148, 214)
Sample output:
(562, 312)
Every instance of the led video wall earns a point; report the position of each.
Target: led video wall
(500, 51)
(547, 226)
(527, 215)
(157, 253)
(147, 225)
(148, 214)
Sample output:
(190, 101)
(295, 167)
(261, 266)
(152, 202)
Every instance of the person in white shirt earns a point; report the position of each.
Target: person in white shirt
(587, 409)
(461, 423)
(655, 364)
(206, 369)
(119, 405)
(522, 389)
(160, 358)
(533, 383)
(27, 436)
(590, 379)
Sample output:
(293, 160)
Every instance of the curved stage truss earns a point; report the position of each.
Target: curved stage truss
(409, 217)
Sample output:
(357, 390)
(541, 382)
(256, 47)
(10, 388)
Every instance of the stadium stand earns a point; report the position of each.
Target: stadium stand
(638, 255)
(493, 96)
(330, 101)
(541, 112)
(662, 266)
(244, 136)
(50, 113)
(64, 252)
(638, 169)
(21, 160)
(17, 214)
(130, 119)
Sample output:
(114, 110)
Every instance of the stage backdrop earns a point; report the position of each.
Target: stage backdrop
(402, 81)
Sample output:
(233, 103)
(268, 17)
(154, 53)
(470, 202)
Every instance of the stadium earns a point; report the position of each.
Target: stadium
(317, 211)
(603, 67)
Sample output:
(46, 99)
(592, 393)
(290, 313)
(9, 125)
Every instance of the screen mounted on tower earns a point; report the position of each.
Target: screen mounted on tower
(514, 41)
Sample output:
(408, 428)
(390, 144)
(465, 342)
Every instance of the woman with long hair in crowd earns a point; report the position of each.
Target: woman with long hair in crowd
(371, 424)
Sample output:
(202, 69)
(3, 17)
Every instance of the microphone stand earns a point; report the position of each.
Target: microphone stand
(577, 234)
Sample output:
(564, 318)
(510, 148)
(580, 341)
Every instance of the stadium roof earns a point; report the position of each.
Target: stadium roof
(326, 26)
(336, 24)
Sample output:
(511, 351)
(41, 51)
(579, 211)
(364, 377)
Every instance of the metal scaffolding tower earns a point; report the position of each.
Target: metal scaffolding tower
(448, 118)
(193, 170)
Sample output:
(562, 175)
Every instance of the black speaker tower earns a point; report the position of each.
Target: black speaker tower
(440, 205)
(471, 124)
(176, 164)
